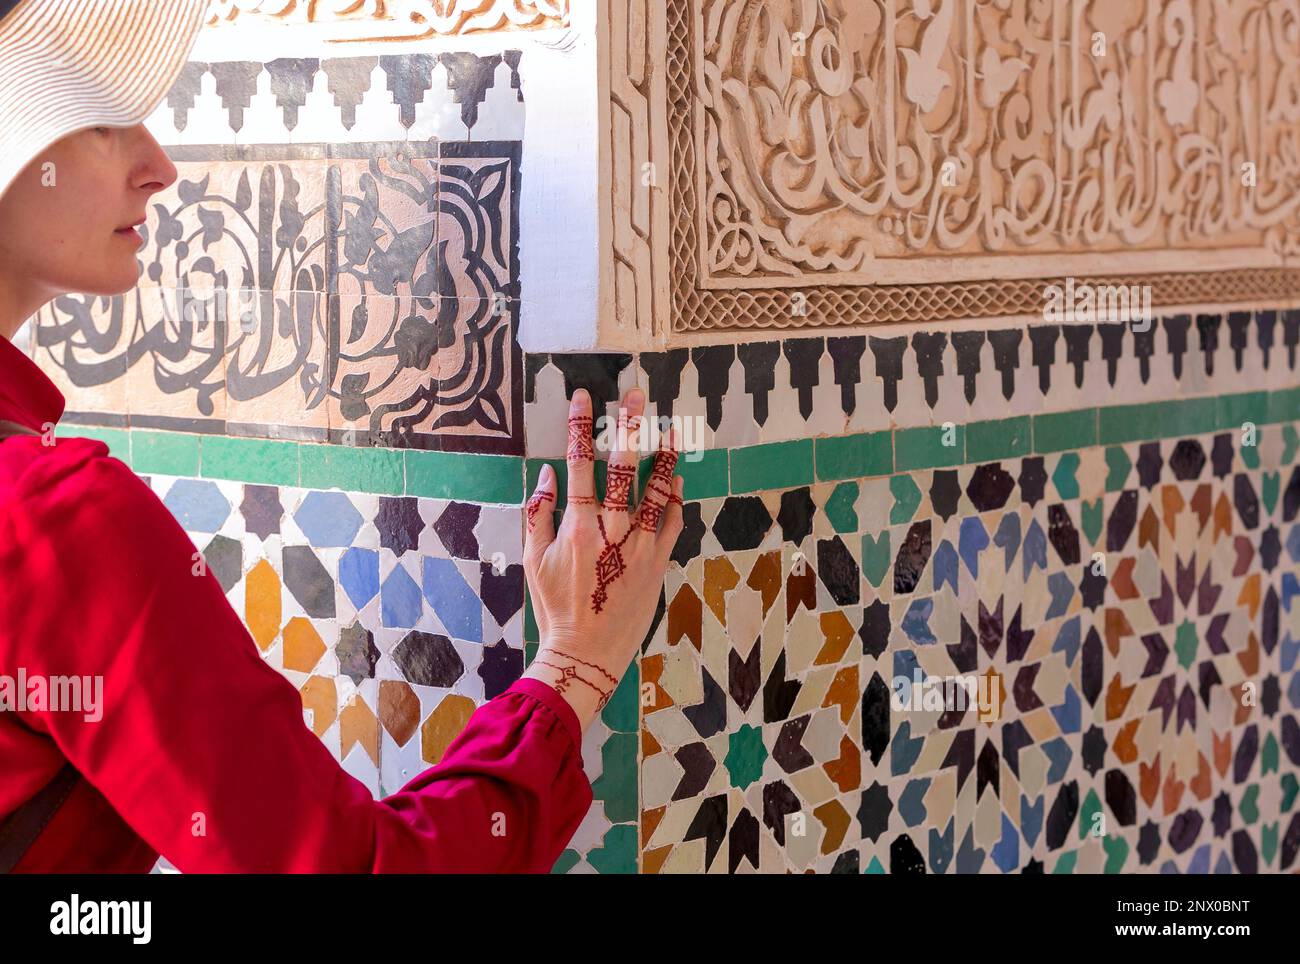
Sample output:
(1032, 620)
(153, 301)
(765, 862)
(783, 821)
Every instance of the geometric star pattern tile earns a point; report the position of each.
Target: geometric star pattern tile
(1131, 641)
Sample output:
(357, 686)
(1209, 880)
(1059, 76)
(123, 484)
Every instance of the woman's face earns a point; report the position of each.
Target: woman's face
(67, 223)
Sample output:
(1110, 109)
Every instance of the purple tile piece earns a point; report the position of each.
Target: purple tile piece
(399, 524)
(262, 510)
(356, 653)
(502, 594)
(429, 659)
(501, 666)
(455, 527)
(310, 584)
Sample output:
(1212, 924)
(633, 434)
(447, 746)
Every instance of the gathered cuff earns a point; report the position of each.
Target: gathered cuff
(553, 701)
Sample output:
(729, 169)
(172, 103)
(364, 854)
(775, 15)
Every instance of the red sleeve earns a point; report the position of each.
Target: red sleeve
(96, 578)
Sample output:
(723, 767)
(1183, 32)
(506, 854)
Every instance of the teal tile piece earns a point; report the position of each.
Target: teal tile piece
(855, 456)
(118, 440)
(1118, 467)
(382, 471)
(777, 465)
(1284, 405)
(1189, 416)
(618, 852)
(907, 498)
(704, 478)
(929, 448)
(264, 461)
(1236, 410)
(466, 477)
(992, 441)
(1062, 431)
(616, 786)
(840, 507)
(164, 453)
(1128, 423)
(876, 557)
(1065, 477)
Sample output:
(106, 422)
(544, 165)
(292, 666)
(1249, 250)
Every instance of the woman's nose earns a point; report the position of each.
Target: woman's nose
(155, 171)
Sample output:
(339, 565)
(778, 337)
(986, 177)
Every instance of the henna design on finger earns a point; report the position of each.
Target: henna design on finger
(582, 500)
(535, 505)
(618, 487)
(580, 442)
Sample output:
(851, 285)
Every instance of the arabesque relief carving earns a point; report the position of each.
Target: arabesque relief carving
(398, 19)
(887, 157)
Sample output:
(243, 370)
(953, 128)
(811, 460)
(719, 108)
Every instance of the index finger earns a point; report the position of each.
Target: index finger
(581, 453)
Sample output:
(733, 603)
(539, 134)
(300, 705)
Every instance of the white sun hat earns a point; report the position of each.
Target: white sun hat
(66, 65)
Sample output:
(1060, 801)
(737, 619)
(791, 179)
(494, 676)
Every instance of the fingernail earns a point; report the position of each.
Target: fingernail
(545, 475)
(635, 397)
(580, 395)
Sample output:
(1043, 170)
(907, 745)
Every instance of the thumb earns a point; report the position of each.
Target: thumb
(540, 515)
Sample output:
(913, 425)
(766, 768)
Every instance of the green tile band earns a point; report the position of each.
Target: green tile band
(714, 473)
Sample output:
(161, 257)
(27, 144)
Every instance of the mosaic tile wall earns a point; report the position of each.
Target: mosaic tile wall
(1103, 520)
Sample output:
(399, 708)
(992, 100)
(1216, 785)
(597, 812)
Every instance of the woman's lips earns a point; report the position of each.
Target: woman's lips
(131, 233)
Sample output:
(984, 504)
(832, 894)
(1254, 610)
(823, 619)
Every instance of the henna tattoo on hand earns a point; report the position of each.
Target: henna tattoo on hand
(618, 487)
(580, 442)
(609, 566)
(598, 668)
(568, 674)
(582, 500)
(535, 506)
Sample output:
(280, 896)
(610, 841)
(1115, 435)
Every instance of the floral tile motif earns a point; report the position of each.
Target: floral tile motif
(357, 293)
(1129, 610)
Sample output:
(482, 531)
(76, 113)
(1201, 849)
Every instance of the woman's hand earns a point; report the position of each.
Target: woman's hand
(594, 584)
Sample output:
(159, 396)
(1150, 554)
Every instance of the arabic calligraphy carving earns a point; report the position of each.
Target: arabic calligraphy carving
(399, 19)
(368, 299)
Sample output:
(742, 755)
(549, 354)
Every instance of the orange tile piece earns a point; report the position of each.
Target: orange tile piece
(262, 604)
(685, 617)
(1149, 530)
(321, 697)
(1173, 792)
(1201, 504)
(1222, 752)
(1117, 697)
(652, 861)
(1116, 627)
(1124, 747)
(1249, 595)
(836, 820)
(303, 646)
(1122, 581)
(444, 725)
(1149, 781)
(649, 745)
(839, 633)
(650, 820)
(357, 724)
(1222, 517)
(399, 709)
(844, 692)
(1202, 784)
(720, 577)
(800, 588)
(1171, 502)
(845, 771)
(765, 578)
(1249, 657)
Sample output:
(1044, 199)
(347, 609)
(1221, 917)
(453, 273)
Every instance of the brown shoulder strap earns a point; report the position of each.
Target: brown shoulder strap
(10, 429)
(21, 828)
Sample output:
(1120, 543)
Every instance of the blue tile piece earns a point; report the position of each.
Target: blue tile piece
(1067, 640)
(452, 598)
(1035, 551)
(359, 575)
(945, 566)
(1006, 852)
(197, 505)
(328, 519)
(1031, 818)
(1058, 752)
(917, 622)
(911, 805)
(400, 605)
(1007, 538)
(903, 750)
(1061, 588)
(1069, 714)
(974, 540)
(941, 847)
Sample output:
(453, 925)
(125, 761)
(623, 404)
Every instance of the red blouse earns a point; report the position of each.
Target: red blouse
(95, 579)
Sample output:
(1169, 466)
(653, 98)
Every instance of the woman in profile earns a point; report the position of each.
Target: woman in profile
(199, 751)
